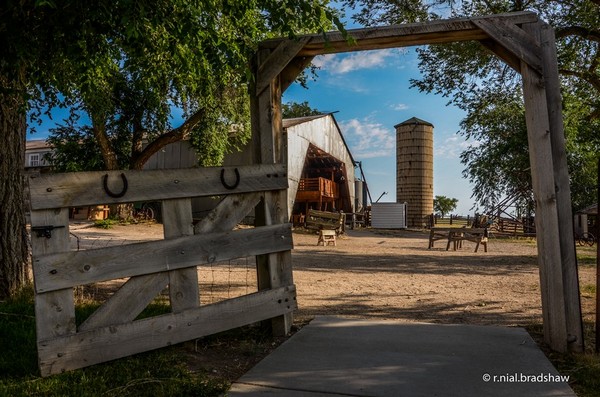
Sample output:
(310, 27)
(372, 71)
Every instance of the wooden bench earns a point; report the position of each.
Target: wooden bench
(329, 225)
(456, 236)
(326, 237)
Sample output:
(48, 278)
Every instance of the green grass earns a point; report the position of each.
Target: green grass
(586, 259)
(588, 289)
(106, 223)
(159, 373)
(582, 368)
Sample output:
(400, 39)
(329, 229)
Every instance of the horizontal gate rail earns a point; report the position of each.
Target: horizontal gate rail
(78, 189)
(69, 269)
(108, 343)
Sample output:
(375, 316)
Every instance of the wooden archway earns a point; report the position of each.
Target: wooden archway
(527, 45)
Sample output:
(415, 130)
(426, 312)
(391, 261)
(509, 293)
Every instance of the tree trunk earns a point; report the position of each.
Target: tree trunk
(14, 252)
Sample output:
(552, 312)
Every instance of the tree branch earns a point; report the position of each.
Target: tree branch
(108, 153)
(580, 31)
(175, 135)
(588, 77)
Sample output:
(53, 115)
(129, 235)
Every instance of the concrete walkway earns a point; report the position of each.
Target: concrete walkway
(341, 357)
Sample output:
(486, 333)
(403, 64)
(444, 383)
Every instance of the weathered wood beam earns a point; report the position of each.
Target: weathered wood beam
(563, 191)
(228, 213)
(279, 58)
(546, 213)
(68, 269)
(292, 70)
(87, 188)
(509, 58)
(61, 354)
(183, 283)
(55, 311)
(127, 302)
(432, 32)
(514, 39)
(273, 270)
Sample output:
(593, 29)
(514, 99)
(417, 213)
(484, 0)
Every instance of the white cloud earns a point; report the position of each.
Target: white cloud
(451, 147)
(400, 106)
(343, 63)
(368, 139)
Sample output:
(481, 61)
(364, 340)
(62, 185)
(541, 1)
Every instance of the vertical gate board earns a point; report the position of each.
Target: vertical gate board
(273, 270)
(116, 341)
(546, 219)
(183, 283)
(54, 311)
(563, 191)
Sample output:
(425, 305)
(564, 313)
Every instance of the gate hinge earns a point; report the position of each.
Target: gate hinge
(45, 231)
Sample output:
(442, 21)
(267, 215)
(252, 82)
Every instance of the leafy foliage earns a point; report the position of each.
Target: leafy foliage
(444, 205)
(490, 92)
(294, 109)
(137, 62)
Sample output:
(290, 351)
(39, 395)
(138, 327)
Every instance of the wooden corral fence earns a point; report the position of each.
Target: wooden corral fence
(113, 331)
(526, 44)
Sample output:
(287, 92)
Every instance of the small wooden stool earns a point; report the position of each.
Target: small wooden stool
(326, 237)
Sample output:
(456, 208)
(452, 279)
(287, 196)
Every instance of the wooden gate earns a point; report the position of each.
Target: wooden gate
(113, 331)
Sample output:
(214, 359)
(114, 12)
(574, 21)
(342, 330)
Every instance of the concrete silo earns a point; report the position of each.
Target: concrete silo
(414, 169)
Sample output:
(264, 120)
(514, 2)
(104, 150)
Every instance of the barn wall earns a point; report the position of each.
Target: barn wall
(324, 134)
(175, 155)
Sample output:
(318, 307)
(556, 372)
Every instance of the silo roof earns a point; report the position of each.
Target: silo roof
(414, 120)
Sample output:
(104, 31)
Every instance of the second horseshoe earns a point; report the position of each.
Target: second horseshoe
(237, 179)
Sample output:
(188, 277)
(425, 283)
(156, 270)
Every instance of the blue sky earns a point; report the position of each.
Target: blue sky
(370, 91)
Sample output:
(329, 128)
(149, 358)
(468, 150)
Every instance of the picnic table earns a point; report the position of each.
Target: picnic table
(456, 235)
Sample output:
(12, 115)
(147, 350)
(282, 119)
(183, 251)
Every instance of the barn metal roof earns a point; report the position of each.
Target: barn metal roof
(299, 120)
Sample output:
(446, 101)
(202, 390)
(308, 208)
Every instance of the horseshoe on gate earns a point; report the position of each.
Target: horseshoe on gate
(109, 192)
(237, 179)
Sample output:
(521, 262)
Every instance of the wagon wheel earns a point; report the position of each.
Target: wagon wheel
(588, 239)
(147, 212)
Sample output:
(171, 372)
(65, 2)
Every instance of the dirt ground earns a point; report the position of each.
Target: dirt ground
(383, 274)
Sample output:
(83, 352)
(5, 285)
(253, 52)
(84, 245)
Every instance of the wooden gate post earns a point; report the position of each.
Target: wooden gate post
(546, 219)
(273, 270)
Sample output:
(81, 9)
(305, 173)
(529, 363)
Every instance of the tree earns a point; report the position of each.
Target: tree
(129, 99)
(294, 109)
(125, 64)
(490, 92)
(444, 205)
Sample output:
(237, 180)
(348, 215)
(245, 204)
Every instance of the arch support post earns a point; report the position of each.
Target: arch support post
(563, 191)
(556, 252)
